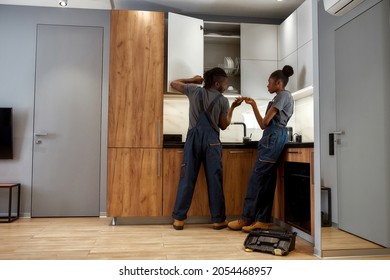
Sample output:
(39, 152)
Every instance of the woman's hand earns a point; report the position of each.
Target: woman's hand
(249, 101)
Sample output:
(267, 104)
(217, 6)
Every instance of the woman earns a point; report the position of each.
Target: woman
(262, 182)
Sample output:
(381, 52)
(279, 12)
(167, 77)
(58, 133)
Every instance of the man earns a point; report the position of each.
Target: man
(208, 113)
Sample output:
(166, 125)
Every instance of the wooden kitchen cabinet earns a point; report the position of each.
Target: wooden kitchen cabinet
(237, 165)
(172, 160)
(135, 182)
(297, 155)
(134, 186)
(136, 79)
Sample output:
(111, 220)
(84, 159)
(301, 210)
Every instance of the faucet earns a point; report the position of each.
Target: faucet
(240, 123)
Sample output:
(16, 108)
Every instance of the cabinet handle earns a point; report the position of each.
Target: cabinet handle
(239, 152)
(294, 152)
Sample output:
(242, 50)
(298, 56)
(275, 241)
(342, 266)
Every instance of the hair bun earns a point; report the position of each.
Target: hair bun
(288, 71)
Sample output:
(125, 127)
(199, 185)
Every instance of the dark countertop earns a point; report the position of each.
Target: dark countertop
(237, 145)
(299, 145)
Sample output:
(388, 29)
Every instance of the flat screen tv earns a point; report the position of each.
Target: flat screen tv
(6, 149)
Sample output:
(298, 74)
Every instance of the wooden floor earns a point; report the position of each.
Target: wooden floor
(96, 239)
(344, 240)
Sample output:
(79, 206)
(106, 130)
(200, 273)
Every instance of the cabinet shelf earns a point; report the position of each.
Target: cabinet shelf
(221, 39)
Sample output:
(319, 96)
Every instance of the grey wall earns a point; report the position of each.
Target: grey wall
(17, 76)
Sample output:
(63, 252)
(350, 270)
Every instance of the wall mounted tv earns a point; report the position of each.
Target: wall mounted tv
(6, 149)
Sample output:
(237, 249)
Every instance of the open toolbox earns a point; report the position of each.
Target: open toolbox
(276, 242)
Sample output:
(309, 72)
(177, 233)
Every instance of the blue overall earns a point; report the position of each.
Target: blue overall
(262, 181)
(202, 145)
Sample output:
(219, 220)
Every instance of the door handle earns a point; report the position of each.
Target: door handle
(40, 134)
(331, 141)
(338, 132)
(37, 135)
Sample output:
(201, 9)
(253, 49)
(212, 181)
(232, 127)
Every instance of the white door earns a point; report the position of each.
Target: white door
(185, 48)
(363, 102)
(66, 155)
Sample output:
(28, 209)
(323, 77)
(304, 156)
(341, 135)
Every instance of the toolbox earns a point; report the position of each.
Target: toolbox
(276, 242)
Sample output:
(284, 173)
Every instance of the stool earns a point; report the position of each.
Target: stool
(327, 221)
(10, 217)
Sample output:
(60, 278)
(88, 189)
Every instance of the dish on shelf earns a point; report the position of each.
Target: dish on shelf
(236, 66)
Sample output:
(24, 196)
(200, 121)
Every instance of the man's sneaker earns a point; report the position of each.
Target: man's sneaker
(220, 225)
(255, 225)
(178, 225)
(238, 224)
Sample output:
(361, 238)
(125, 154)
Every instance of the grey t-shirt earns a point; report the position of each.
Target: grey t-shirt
(221, 107)
(284, 102)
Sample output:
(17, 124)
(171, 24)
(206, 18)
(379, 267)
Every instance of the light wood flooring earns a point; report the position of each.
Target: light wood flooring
(96, 239)
(344, 240)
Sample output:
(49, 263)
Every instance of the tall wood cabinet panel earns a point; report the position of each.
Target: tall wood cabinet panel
(136, 79)
(135, 114)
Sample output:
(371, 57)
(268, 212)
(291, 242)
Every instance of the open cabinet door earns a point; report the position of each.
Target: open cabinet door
(185, 48)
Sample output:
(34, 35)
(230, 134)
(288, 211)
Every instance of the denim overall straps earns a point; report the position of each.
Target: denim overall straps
(262, 181)
(202, 146)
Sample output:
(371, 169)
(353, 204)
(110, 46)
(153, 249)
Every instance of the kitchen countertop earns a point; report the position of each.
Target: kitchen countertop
(237, 145)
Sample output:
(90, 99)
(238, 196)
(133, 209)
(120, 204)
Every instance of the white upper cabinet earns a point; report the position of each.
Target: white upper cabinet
(305, 66)
(304, 23)
(259, 41)
(254, 76)
(291, 60)
(259, 58)
(295, 46)
(287, 36)
(194, 46)
(185, 48)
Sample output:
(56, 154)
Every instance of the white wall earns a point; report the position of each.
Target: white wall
(17, 76)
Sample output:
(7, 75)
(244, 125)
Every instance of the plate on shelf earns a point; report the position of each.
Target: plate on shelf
(236, 66)
(226, 64)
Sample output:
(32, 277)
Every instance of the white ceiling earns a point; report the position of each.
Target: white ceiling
(271, 9)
